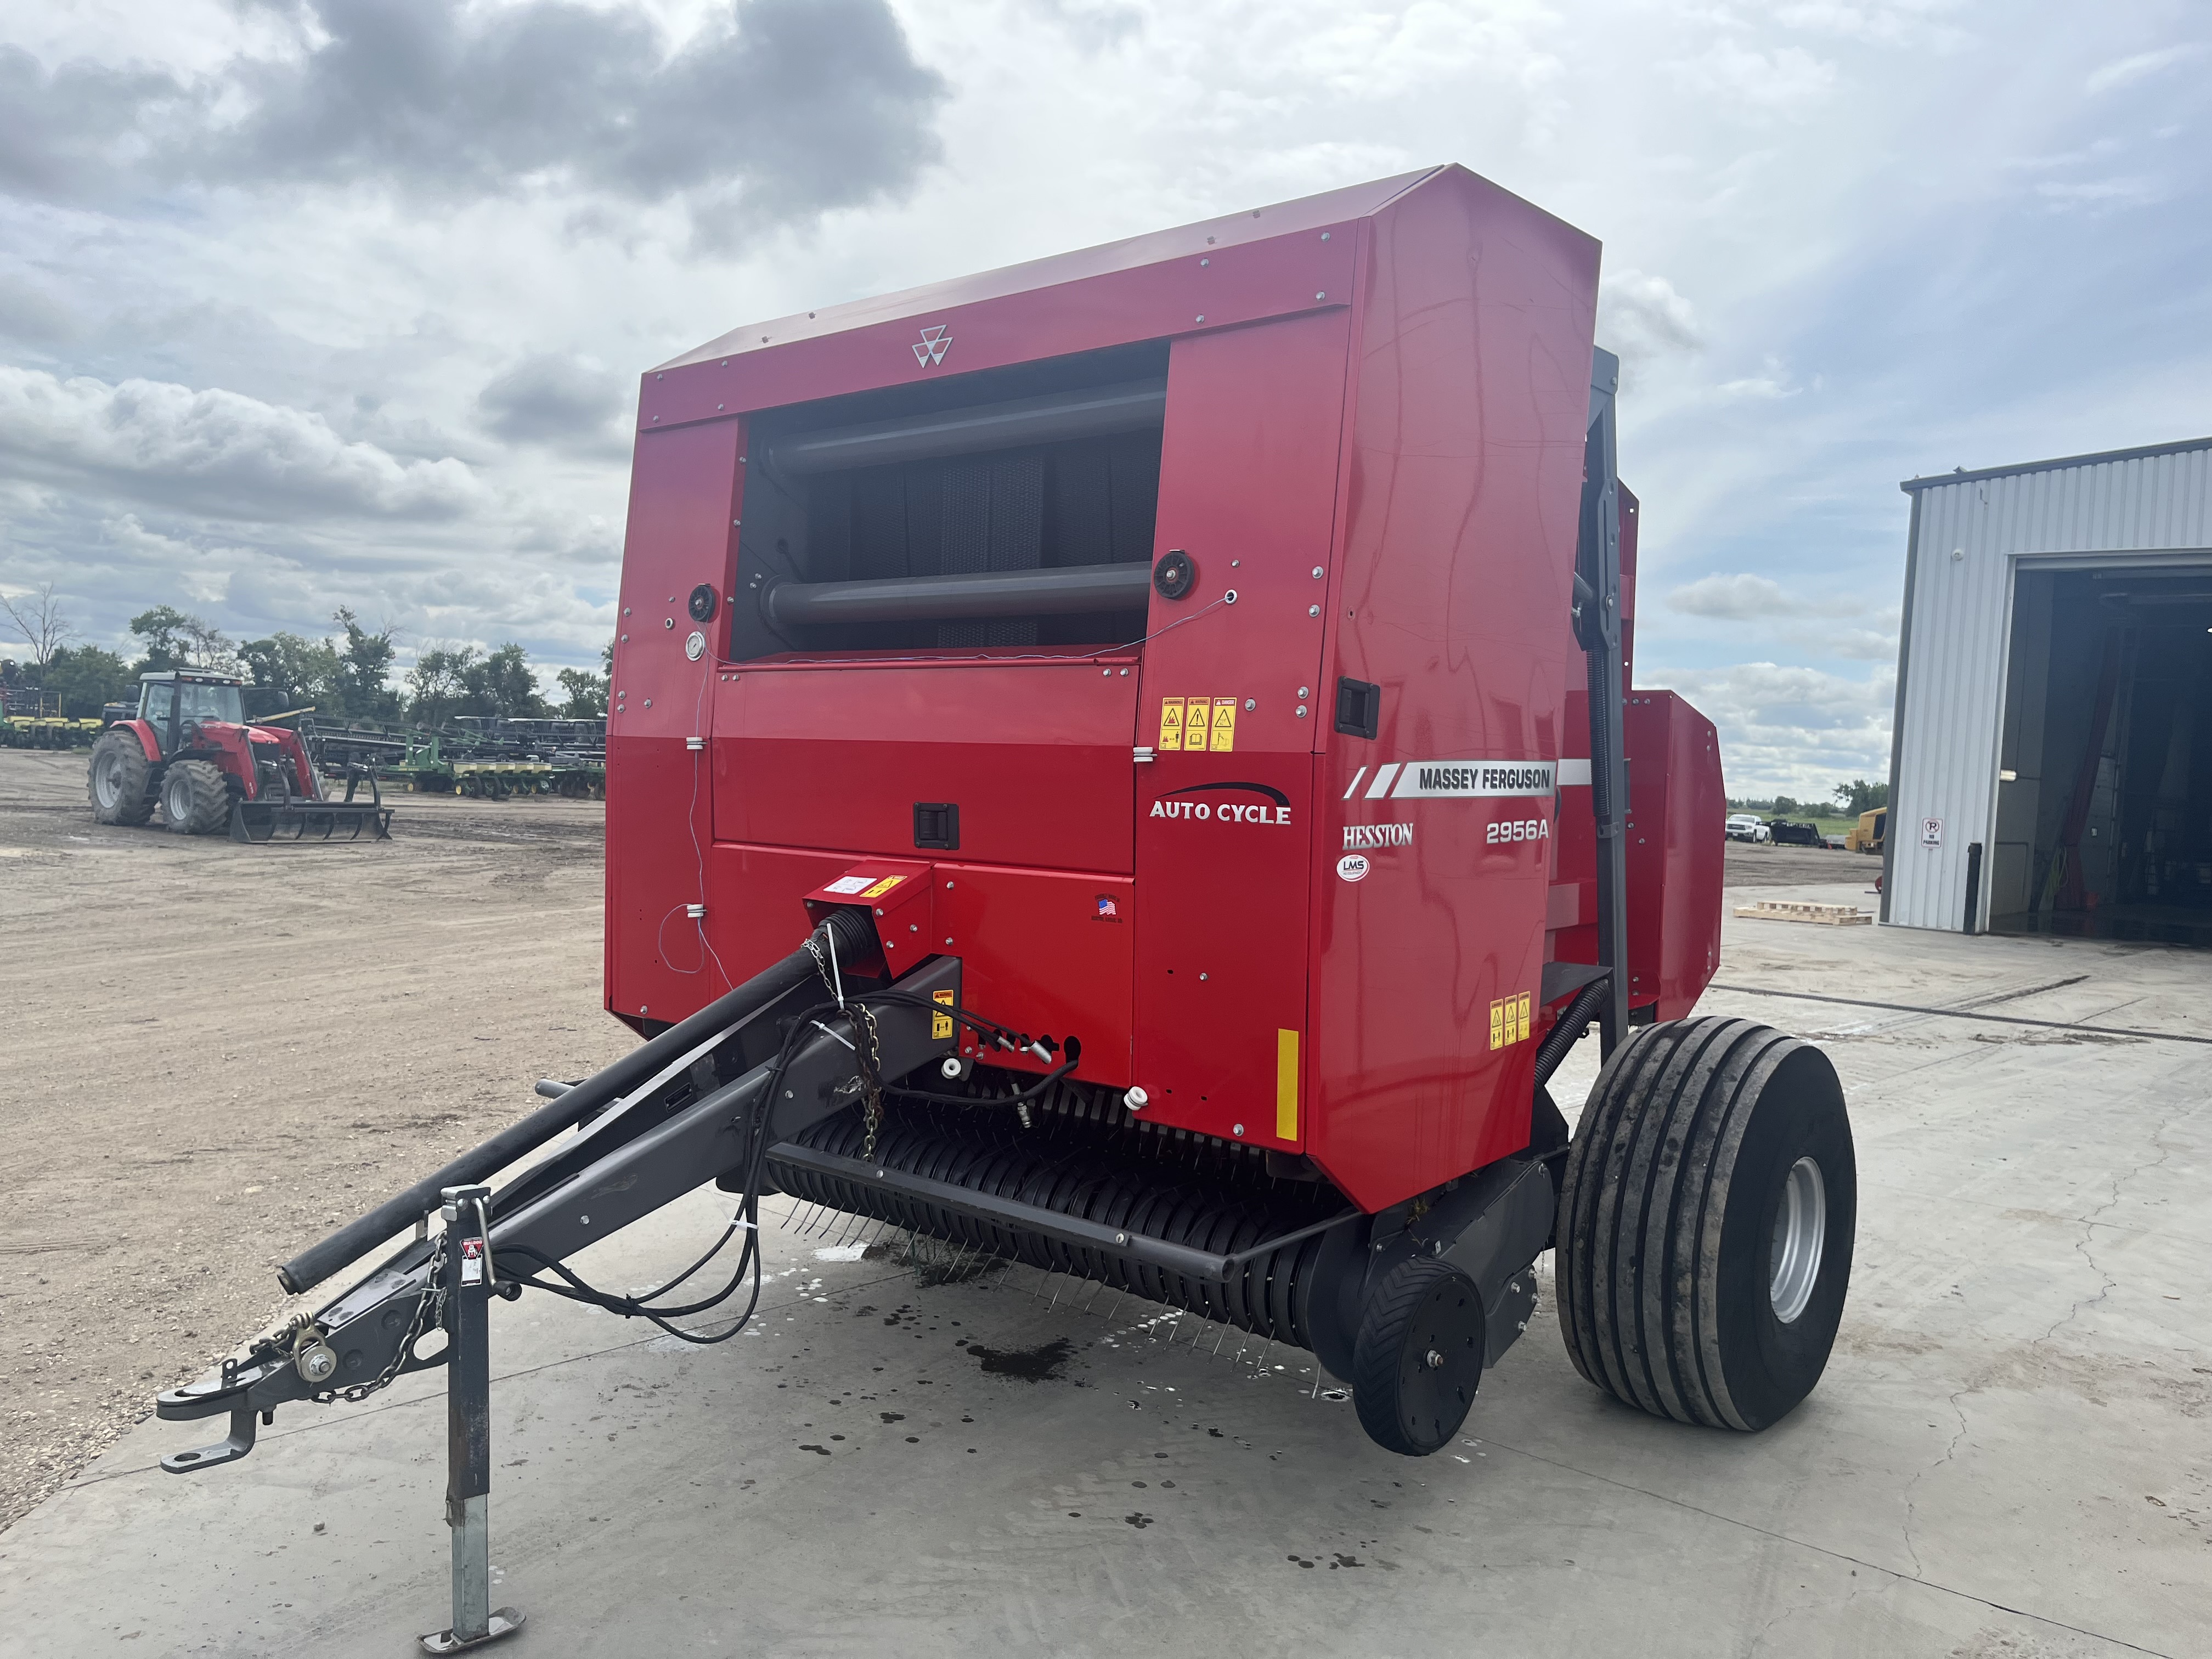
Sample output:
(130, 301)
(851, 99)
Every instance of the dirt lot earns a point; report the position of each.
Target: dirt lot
(216, 1052)
(1764, 865)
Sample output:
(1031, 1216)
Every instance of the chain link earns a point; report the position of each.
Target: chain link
(433, 1297)
(871, 1078)
(871, 1057)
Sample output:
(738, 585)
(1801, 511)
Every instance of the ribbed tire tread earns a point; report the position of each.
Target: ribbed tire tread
(210, 808)
(1649, 1306)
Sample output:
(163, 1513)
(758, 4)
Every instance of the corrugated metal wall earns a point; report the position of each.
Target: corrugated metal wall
(1971, 534)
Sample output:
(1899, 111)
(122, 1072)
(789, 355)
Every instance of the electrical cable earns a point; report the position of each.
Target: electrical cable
(750, 1258)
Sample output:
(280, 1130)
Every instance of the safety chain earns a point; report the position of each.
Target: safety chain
(870, 1056)
(871, 1076)
(433, 1296)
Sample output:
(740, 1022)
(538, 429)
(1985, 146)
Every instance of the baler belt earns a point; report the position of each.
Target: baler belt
(1034, 1219)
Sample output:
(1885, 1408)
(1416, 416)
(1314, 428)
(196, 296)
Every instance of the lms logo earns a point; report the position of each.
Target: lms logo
(1106, 909)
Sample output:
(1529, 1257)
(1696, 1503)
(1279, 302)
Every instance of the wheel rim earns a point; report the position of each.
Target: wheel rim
(108, 781)
(1801, 1228)
(177, 797)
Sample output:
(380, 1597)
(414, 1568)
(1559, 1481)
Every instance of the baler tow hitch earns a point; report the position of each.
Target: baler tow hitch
(702, 1100)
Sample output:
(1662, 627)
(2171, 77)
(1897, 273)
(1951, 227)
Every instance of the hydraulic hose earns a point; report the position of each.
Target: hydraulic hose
(850, 932)
(1589, 1003)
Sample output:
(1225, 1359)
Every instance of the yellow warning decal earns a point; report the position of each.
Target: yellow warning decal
(1170, 724)
(882, 887)
(1510, 1020)
(1286, 1086)
(1224, 724)
(940, 1026)
(1195, 713)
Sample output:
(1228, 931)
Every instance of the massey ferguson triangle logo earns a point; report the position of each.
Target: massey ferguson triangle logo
(935, 343)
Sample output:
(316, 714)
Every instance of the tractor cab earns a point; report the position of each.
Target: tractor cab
(175, 705)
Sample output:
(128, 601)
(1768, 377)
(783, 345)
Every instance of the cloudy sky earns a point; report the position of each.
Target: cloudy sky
(317, 303)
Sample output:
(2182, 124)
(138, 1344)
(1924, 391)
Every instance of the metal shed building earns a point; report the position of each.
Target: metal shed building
(2051, 767)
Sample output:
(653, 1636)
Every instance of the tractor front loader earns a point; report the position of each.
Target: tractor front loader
(189, 751)
(1177, 699)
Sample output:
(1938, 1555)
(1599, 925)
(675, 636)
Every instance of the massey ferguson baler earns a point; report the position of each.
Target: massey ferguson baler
(1128, 762)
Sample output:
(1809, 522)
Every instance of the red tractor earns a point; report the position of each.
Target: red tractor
(190, 752)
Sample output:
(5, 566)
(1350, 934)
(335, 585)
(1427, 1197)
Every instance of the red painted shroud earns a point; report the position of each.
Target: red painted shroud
(1388, 385)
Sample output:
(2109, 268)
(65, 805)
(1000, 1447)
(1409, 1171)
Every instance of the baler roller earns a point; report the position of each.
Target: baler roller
(1239, 1252)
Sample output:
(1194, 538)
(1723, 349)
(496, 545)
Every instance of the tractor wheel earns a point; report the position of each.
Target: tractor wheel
(116, 780)
(1706, 1216)
(1418, 1358)
(194, 797)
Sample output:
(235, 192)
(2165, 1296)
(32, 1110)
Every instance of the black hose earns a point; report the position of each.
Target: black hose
(851, 932)
(1571, 1024)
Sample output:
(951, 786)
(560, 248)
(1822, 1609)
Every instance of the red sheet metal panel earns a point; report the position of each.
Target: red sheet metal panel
(1248, 488)
(1034, 753)
(1675, 852)
(684, 486)
(1461, 499)
(1049, 951)
(1239, 268)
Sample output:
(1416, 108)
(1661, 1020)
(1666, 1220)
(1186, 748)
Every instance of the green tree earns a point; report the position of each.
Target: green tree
(505, 684)
(437, 685)
(446, 682)
(1860, 796)
(86, 679)
(177, 639)
(1783, 806)
(586, 693)
(365, 669)
(296, 673)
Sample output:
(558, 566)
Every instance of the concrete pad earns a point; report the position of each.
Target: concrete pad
(2009, 1455)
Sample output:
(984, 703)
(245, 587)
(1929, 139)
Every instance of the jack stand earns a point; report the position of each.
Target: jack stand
(467, 1277)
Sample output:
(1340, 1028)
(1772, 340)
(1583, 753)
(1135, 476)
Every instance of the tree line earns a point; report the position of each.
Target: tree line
(1846, 800)
(345, 676)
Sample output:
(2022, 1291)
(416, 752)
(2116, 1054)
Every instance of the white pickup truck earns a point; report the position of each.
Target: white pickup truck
(1745, 826)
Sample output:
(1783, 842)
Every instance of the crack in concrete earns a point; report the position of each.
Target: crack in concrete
(1950, 1451)
(2106, 1282)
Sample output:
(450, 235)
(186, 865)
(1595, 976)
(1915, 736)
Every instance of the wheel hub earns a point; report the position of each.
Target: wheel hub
(1442, 1366)
(1801, 1229)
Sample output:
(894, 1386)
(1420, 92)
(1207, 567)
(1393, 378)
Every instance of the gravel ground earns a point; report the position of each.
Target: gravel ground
(216, 1053)
(1764, 865)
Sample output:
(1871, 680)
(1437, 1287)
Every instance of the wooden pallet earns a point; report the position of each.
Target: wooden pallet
(1826, 916)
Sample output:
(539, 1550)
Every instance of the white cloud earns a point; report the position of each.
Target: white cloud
(1642, 316)
(1785, 80)
(2103, 192)
(1775, 384)
(1797, 730)
(1745, 597)
(2123, 71)
(214, 450)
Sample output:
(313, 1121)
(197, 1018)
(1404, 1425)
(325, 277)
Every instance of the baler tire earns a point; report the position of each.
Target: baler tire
(1678, 1252)
(124, 758)
(195, 800)
(1423, 1308)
